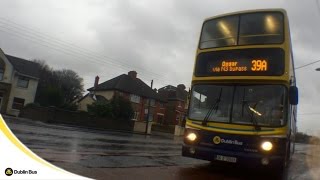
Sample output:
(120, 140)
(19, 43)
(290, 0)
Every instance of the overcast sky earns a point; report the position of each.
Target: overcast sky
(156, 38)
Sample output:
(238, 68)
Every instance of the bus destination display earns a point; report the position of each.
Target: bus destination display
(236, 66)
(245, 62)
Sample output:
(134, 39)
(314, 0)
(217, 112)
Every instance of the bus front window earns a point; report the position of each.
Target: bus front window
(206, 97)
(262, 105)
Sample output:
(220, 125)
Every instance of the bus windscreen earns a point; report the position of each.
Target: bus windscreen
(241, 62)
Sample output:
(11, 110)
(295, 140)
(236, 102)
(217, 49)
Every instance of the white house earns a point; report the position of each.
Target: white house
(18, 83)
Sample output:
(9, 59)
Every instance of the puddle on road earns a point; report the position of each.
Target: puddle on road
(137, 161)
(313, 161)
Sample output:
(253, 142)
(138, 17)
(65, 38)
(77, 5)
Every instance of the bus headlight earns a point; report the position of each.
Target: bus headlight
(191, 137)
(267, 145)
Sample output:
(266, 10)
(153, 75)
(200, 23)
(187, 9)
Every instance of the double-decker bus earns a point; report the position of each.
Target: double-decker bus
(243, 97)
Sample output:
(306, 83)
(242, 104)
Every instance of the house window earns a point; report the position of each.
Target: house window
(18, 103)
(134, 98)
(135, 116)
(161, 105)
(1, 74)
(23, 82)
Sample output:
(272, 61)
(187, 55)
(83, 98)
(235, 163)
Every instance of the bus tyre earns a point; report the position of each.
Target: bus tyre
(285, 163)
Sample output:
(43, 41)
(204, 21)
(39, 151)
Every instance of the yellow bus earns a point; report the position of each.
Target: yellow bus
(243, 94)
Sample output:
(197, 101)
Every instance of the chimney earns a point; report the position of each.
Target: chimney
(181, 86)
(96, 82)
(132, 74)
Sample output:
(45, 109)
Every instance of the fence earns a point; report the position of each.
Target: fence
(55, 115)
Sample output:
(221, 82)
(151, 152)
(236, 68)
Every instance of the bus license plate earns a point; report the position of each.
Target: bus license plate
(226, 158)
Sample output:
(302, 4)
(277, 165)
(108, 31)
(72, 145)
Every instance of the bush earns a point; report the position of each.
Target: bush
(32, 105)
(69, 107)
(100, 109)
(117, 108)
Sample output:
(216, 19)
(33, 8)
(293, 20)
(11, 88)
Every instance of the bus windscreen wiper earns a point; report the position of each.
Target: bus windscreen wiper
(250, 111)
(215, 106)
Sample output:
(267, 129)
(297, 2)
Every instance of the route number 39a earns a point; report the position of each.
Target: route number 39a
(259, 65)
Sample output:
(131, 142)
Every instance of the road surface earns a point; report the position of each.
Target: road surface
(115, 155)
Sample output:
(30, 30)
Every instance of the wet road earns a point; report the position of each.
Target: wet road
(115, 155)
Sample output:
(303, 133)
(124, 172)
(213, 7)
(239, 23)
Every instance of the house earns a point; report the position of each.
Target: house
(131, 88)
(91, 97)
(176, 106)
(18, 83)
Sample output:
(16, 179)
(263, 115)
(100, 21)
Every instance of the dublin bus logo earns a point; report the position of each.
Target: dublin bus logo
(8, 171)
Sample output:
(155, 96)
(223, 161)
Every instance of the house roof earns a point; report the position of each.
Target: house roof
(24, 67)
(173, 93)
(128, 84)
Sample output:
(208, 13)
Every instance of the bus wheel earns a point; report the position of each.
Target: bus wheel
(286, 161)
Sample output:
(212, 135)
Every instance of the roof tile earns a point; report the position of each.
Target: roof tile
(127, 84)
(25, 67)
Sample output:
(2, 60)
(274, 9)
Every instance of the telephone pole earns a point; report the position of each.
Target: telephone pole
(147, 124)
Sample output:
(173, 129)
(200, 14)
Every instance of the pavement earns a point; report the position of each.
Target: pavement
(102, 154)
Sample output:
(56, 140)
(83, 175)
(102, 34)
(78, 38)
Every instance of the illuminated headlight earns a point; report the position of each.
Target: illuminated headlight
(267, 145)
(191, 136)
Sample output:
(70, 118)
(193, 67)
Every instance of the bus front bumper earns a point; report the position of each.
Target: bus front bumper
(247, 158)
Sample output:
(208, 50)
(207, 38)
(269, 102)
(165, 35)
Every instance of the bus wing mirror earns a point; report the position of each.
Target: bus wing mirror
(293, 95)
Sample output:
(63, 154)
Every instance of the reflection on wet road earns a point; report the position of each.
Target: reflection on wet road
(101, 154)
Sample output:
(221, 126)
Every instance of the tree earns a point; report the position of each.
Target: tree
(100, 109)
(70, 83)
(58, 87)
(47, 93)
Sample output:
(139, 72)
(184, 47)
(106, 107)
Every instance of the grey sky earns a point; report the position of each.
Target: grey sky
(156, 38)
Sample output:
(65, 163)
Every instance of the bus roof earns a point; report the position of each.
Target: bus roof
(283, 11)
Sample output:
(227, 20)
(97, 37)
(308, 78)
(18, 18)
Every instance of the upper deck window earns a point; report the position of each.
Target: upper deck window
(244, 29)
(220, 32)
(261, 28)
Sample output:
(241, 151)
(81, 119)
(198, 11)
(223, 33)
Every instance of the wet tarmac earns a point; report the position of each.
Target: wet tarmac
(116, 155)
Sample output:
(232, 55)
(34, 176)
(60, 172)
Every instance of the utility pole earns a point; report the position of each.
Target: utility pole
(147, 124)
